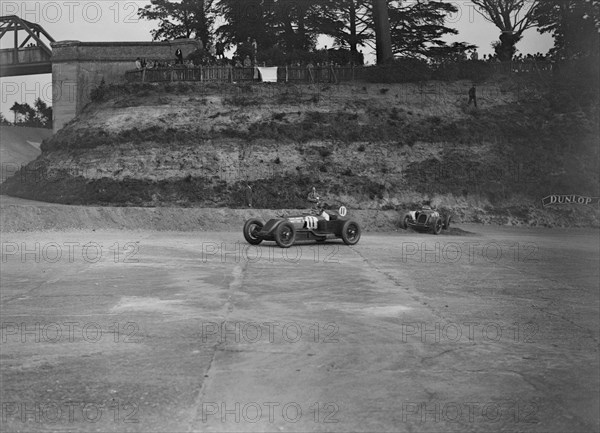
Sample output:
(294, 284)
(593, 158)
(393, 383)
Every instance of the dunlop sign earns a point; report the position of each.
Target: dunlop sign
(567, 199)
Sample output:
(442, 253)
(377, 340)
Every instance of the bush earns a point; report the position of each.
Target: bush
(98, 93)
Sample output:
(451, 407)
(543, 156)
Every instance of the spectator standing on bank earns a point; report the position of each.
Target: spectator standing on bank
(473, 96)
(179, 56)
(474, 55)
(138, 63)
(247, 62)
(254, 50)
(220, 49)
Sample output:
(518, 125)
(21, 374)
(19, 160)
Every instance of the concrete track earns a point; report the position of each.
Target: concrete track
(478, 329)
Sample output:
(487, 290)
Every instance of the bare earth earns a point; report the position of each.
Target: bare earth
(478, 329)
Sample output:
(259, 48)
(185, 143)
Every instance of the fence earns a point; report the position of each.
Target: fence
(414, 71)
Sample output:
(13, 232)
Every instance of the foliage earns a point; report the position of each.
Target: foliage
(184, 19)
(512, 17)
(417, 29)
(4, 120)
(99, 92)
(574, 24)
(38, 116)
(290, 24)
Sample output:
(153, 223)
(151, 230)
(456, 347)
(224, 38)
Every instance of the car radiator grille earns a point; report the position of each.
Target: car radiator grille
(422, 219)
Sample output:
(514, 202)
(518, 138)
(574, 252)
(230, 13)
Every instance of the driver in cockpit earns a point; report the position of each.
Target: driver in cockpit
(318, 207)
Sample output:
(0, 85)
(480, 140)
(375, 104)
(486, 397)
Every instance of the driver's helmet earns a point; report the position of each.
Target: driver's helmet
(313, 197)
(426, 207)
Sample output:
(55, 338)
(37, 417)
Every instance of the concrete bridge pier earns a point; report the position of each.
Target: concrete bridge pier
(78, 67)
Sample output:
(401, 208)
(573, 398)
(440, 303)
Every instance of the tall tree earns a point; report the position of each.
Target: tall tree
(349, 22)
(417, 28)
(574, 24)
(512, 17)
(383, 36)
(183, 19)
(292, 24)
(43, 113)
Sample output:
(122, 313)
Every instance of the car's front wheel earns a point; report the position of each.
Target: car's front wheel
(251, 229)
(285, 235)
(437, 226)
(351, 233)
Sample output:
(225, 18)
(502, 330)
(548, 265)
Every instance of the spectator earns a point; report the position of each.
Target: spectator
(220, 50)
(473, 96)
(254, 50)
(474, 55)
(238, 63)
(247, 62)
(138, 63)
(179, 56)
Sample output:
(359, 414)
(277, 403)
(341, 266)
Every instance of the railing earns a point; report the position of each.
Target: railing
(226, 74)
(336, 74)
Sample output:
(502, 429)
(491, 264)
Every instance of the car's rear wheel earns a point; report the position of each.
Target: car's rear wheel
(437, 226)
(285, 235)
(351, 233)
(251, 229)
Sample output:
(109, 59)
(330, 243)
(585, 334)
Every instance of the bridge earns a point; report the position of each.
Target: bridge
(29, 53)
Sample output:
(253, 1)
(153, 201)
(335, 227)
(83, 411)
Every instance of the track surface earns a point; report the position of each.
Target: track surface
(478, 329)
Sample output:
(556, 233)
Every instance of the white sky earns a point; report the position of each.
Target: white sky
(111, 20)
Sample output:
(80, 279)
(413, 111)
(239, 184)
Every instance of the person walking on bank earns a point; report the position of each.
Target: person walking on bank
(473, 96)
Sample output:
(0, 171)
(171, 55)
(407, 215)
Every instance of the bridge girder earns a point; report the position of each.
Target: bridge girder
(41, 54)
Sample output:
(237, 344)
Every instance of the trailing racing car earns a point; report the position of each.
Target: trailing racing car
(318, 225)
(427, 220)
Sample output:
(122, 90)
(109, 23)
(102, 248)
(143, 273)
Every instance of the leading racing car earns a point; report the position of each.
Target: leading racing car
(318, 225)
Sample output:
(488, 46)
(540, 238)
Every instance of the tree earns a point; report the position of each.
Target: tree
(574, 24)
(349, 22)
(417, 29)
(16, 108)
(43, 113)
(3, 120)
(291, 24)
(383, 36)
(512, 17)
(40, 116)
(184, 19)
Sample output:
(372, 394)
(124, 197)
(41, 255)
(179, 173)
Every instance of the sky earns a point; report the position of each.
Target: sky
(111, 20)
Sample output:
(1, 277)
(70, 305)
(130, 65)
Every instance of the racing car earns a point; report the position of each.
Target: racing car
(427, 220)
(318, 225)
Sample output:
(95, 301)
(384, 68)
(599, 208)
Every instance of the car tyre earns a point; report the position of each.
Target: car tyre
(437, 226)
(251, 228)
(285, 235)
(405, 222)
(447, 222)
(351, 232)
